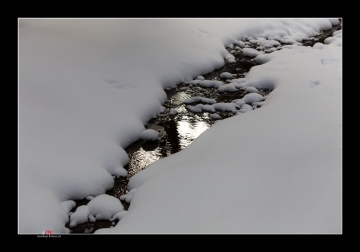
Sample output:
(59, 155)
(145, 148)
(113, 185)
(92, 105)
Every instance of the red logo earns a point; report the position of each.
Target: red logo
(48, 232)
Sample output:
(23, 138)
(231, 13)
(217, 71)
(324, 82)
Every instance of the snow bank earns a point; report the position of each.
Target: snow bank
(273, 170)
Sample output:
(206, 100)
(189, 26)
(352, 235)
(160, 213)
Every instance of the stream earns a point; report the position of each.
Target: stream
(178, 126)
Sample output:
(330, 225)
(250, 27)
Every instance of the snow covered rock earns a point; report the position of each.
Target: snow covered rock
(127, 197)
(245, 108)
(251, 90)
(251, 52)
(79, 216)
(149, 135)
(104, 206)
(227, 75)
(227, 88)
(253, 97)
(200, 99)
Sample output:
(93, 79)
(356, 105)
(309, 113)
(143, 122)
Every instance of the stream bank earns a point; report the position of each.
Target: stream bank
(172, 128)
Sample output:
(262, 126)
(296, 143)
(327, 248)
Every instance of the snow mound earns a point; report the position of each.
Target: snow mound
(127, 197)
(193, 82)
(226, 107)
(68, 205)
(149, 135)
(199, 99)
(241, 43)
(210, 83)
(215, 116)
(227, 75)
(251, 90)
(79, 216)
(104, 206)
(117, 171)
(162, 109)
(251, 52)
(118, 215)
(269, 43)
(253, 97)
(197, 108)
(239, 102)
(239, 80)
(336, 39)
(230, 58)
(227, 88)
(173, 111)
(245, 108)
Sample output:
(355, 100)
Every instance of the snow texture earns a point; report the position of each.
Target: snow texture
(149, 135)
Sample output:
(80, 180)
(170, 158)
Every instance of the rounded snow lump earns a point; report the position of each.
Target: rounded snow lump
(149, 135)
(251, 90)
(104, 206)
(226, 75)
(253, 97)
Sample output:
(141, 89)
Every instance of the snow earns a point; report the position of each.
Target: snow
(230, 58)
(269, 43)
(199, 99)
(87, 87)
(253, 97)
(227, 75)
(251, 52)
(117, 216)
(104, 206)
(127, 197)
(149, 135)
(215, 116)
(226, 107)
(79, 216)
(173, 111)
(251, 90)
(197, 108)
(245, 108)
(239, 102)
(210, 83)
(68, 205)
(212, 108)
(227, 88)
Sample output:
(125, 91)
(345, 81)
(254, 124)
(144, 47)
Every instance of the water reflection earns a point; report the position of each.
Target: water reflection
(189, 131)
(175, 133)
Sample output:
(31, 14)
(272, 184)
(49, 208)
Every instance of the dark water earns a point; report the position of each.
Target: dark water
(176, 131)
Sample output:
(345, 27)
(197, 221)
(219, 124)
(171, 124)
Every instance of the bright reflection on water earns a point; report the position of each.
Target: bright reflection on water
(188, 132)
(175, 131)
